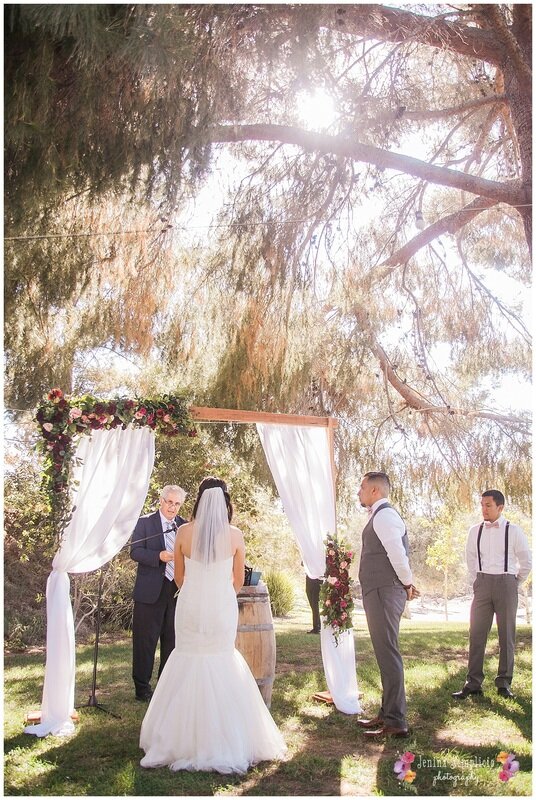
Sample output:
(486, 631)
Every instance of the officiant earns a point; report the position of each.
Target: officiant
(152, 546)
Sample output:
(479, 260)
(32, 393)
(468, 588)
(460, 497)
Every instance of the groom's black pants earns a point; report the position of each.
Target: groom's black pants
(151, 622)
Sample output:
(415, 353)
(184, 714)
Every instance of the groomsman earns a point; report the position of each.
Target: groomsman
(386, 583)
(152, 546)
(498, 560)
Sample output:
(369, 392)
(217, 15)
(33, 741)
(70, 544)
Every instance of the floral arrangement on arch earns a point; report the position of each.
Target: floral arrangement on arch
(335, 597)
(62, 419)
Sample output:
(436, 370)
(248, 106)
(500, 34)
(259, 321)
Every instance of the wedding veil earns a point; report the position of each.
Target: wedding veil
(212, 534)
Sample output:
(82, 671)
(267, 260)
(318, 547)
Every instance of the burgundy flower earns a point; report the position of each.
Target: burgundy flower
(55, 395)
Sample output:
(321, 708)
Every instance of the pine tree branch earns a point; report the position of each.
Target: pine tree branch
(400, 25)
(450, 224)
(420, 404)
(491, 13)
(344, 146)
(451, 111)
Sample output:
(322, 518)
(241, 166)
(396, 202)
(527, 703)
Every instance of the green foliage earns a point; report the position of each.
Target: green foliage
(29, 546)
(281, 593)
(109, 112)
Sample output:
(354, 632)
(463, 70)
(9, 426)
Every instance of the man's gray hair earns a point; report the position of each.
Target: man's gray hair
(171, 487)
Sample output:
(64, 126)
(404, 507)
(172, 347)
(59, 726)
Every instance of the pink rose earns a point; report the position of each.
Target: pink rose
(328, 602)
(504, 775)
(166, 418)
(343, 603)
(344, 564)
(47, 426)
(344, 615)
(75, 413)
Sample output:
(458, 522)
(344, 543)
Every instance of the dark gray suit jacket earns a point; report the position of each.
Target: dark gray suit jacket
(147, 543)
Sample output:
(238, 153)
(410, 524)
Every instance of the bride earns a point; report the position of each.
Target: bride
(207, 712)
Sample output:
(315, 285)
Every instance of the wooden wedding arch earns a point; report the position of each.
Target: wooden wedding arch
(206, 414)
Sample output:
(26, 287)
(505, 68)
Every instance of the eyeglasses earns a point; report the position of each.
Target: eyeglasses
(172, 503)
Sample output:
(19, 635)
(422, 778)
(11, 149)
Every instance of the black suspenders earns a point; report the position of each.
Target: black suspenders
(478, 547)
(505, 546)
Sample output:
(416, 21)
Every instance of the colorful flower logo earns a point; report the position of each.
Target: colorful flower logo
(509, 765)
(403, 769)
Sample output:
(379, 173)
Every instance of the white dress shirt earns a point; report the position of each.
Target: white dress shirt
(389, 528)
(492, 550)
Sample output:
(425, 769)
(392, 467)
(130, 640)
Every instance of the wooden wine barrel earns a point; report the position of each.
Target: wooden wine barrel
(255, 636)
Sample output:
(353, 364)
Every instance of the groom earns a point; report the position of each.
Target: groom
(386, 583)
(152, 546)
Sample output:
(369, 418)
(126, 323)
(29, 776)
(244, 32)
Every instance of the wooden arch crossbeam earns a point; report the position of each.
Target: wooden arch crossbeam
(205, 414)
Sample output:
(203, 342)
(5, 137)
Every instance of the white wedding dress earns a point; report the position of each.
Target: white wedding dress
(207, 712)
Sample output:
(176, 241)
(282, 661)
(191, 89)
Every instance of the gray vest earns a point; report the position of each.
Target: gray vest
(375, 569)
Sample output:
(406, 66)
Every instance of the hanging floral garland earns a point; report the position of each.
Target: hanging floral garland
(62, 419)
(336, 600)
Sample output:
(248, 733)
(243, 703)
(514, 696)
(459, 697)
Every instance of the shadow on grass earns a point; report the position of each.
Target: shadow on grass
(328, 755)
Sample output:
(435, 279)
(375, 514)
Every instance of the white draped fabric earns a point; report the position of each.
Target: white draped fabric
(299, 460)
(113, 479)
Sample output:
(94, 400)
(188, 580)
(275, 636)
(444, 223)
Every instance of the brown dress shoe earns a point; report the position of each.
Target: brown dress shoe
(387, 730)
(375, 722)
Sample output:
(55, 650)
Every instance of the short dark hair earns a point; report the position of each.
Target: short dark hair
(496, 494)
(379, 477)
(214, 483)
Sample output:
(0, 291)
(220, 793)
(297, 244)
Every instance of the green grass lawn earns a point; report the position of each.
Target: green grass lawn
(455, 744)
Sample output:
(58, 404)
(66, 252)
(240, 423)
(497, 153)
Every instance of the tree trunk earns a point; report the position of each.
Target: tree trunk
(446, 593)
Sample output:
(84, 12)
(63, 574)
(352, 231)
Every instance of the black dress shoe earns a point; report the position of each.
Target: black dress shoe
(387, 730)
(144, 698)
(504, 691)
(375, 722)
(464, 693)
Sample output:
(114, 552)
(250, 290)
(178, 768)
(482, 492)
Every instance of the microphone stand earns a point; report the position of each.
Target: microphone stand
(92, 701)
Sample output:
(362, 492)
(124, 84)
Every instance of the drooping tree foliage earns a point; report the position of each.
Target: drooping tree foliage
(315, 292)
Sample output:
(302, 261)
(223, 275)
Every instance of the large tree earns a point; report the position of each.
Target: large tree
(336, 301)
